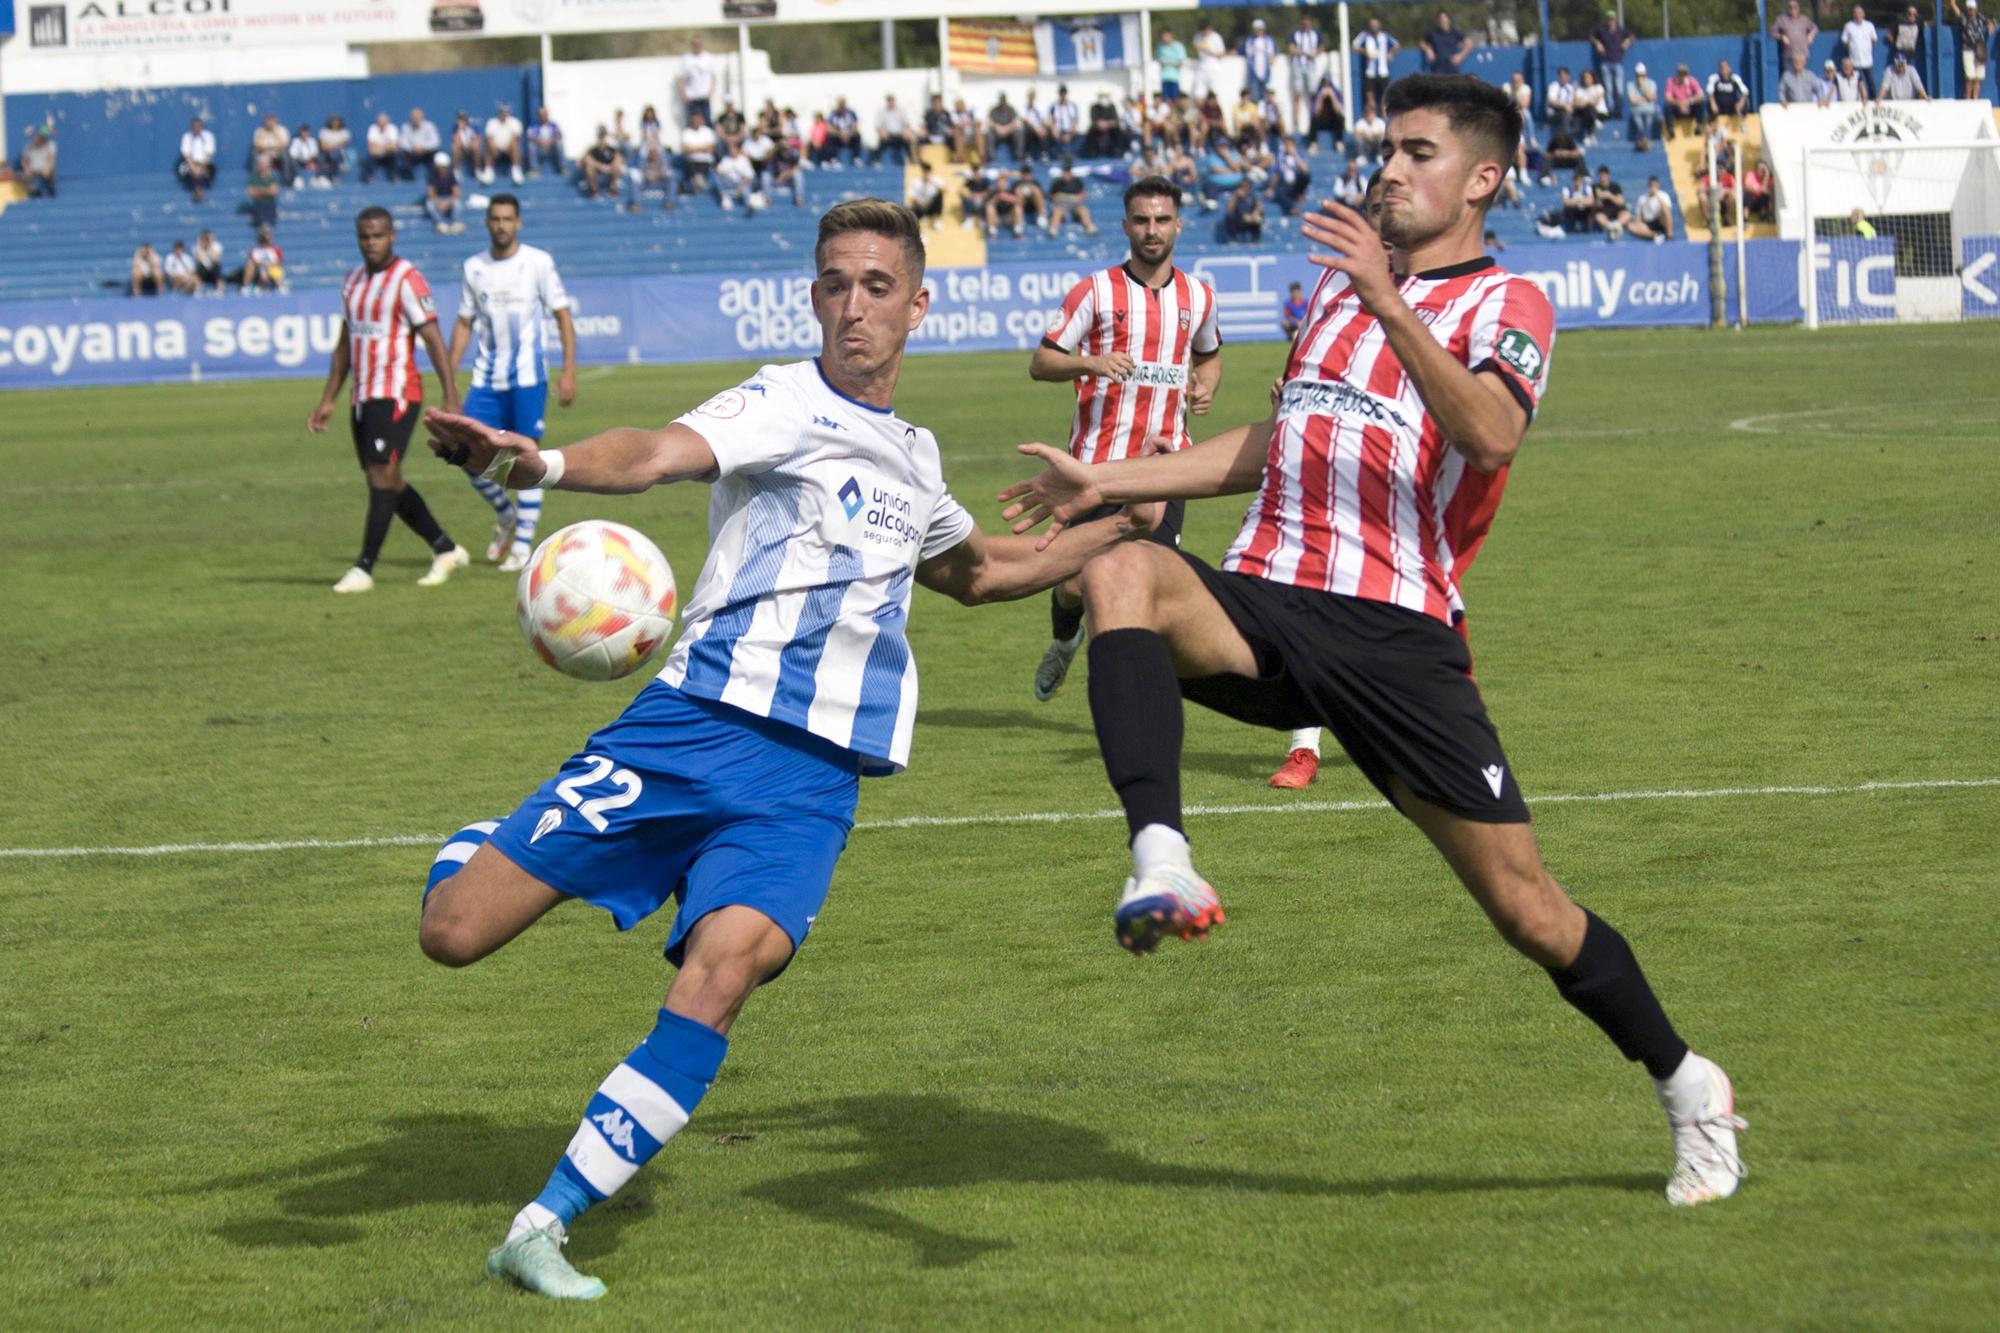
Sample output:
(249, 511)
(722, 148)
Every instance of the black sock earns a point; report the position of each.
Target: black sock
(1607, 987)
(381, 512)
(1064, 620)
(413, 511)
(1135, 700)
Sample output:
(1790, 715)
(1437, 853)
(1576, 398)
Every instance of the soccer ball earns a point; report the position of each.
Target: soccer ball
(596, 600)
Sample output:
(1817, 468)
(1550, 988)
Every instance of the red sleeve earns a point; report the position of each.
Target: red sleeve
(1079, 313)
(415, 298)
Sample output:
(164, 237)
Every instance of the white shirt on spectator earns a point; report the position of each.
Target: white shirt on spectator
(178, 264)
(891, 123)
(698, 144)
(198, 148)
(332, 140)
(1562, 95)
(1860, 36)
(759, 148)
(382, 140)
(735, 174)
(697, 76)
(502, 133)
(304, 150)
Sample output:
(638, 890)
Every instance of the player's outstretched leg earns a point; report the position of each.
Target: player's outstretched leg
(1595, 971)
(1301, 766)
(1065, 638)
(527, 516)
(503, 516)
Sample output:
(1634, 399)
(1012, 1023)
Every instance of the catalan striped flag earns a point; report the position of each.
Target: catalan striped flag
(992, 46)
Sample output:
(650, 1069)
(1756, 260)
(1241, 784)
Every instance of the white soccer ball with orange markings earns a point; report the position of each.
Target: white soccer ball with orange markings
(596, 600)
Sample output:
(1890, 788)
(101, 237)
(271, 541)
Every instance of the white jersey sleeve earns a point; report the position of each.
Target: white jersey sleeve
(468, 306)
(554, 297)
(950, 525)
(753, 427)
(1207, 338)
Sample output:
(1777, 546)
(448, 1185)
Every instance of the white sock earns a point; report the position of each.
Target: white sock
(1683, 1091)
(1305, 738)
(1157, 845)
(532, 1218)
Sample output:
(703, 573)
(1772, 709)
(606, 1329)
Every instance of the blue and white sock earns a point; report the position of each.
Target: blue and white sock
(491, 493)
(642, 1103)
(527, 513)
(457, 850)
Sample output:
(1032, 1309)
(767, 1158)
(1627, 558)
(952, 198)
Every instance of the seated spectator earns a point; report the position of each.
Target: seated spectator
(1185, 173)
(382, 141)
(441, 195)
(1255, 158)
(1727, 95)
(1642, 109)
(334, 141)
(1221, 171)
(979, 184)
(416, 144)
(1131, 124)
(1004, 207)
(1292, 311)
(38, 164)
(264, 266)
(1273, 117)
(1848, 85)
(1799, 86)
(1163, 128)
(148, 277)
(697, 154)
(1685, 100)
(622, 138)
(1757, 186)
(1579, 204)
(1033, 201)
(762, 150)
(179, 268)
(1004, 126)
(1902, 83)
(468, 149)
(652, 149)
(208, 260)
(303, 154)
(730, 130)
(1245, 219)
(1328, 118)
(1351, 186)
(197, 162)
(1106, 137)
(545, 144)
(939, 128)
(1066, 201)
(1246, 114)
(1609, 213)
(843, 133)
(270, 140)
(1065, 123)
(1652, 214)
(736, 181)
(1369, 131)
(1523, 97)
(818, 136)
(1590, 108)
(1717, 197)
(894, 137)
(1561, 101)
(926, 198)
(1291, 177)
(601, 169)
(504, 135)
(263, 192)
(1036, 122)
(786, 173)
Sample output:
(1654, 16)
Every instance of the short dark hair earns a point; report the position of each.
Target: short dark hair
(504, 200)
(1150, 187)
(1477, 110)
(881, 218)
(374, 213)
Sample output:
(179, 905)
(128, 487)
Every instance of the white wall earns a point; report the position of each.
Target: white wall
(88, 73)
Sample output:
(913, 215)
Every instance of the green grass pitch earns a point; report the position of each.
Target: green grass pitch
(236, 1095)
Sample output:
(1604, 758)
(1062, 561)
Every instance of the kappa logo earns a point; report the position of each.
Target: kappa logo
(850, 497)
(551, 819)
(617, 1129)
(1494, 775)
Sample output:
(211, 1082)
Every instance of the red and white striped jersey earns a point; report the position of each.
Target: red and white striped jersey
(384, 311)
(1362, 495)
(1159, 328)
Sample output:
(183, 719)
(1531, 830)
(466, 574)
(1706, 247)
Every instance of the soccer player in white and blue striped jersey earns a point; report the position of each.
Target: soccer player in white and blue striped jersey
(509, 293)
(729, 783)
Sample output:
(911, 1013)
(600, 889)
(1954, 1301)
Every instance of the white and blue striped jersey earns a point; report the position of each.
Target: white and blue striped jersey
(822, 511)
(510, 302)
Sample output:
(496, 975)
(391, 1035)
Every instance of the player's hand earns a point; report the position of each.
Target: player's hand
(1360, 253)
(566, 386)
(1111, 365)
(1058, 495)
(316, 423)
(473, 445)
(1200, 397)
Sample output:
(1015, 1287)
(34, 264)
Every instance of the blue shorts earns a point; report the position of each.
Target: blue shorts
(519, 409)
(693, 800)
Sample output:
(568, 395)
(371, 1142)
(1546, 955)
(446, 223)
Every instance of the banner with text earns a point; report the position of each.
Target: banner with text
(96, 27)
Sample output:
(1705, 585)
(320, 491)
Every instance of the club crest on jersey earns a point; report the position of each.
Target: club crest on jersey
(1184, 321)
(1519, 350)
(729, 403)
(850, 497)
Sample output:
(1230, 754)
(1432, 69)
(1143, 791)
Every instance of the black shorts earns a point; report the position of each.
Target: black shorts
(1167, 534)
(382, 428)
(1393, 685)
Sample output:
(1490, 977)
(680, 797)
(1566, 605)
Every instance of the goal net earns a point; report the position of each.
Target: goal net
(1900, 231)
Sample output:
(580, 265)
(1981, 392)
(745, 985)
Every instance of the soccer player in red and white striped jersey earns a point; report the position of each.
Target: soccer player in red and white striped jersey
(387, 307)
(1406, 397)
(1141, 343)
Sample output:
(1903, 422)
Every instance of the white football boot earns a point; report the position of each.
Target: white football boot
(356, 579)
(1701, 1109)
(442, 566)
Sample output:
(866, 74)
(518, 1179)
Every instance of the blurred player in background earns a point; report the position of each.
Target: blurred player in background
(729, 783)
(1407, 395)
(388, 307)
(1141, 342)
(508, 295)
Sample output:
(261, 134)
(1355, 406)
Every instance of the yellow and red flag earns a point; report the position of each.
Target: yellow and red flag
(992, 46)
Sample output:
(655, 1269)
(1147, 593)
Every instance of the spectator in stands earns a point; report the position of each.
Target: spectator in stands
(1302, 52)
(1255, 159)
(762, 151)
(1018, 201)
(1848, 85)
(1106, 138)
(1271, 114)
(939, 129)
(1246, 114)
(786, 173)
(1717, 196)
(1292, 311)
(601, 169)
(1066, 201)
(1607, 202)
(208, 260)
(1370, 130)
(1209, 48)
(1642, 109)
(655, 170)
(1065, 123)
(1352, 186)
(1131, 124)
(1685, 101)
(697, 80)
(264, 266)
(545, 144)
(1003, 127)
(1522, 95)
(38, 164)
(382, 139)
(197, 164)
(1859, 37)
(622, 136)
(1560, 101)
(442, 195)
(1329, 117)
(1213, 118)
(504, 134)
(1975, 34)
(468, 150)
(335, 142)
(736, 181)
(894, 139)
(978, 186)
(819, 139)
(1444, 46)
(1800, 86)
(416, 144)
(263, 192)
(965, 125)
(1260, 57)
(730, 129)
(1035, 119)
(1902, 83)
(1727, 95)
(1652, 214)
(1221, 171)
(179, 269)
(697, 154)
(1171, 56)
(1164, 128)
(1757, 185)
(1793, 31)
(1244, 220)
(1564, 153)
(303, 155)
(1290, 178)
(1579, 204)
(1377, 50)
(1183, 171)
(148, 277)
(926, 197)
(270, 140)
(1589, 110)
(1610, 42)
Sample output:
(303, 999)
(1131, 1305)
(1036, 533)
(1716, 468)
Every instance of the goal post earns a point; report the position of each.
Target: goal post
(1894, 231)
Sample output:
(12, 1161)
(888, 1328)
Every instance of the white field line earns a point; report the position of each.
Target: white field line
(1043, 817)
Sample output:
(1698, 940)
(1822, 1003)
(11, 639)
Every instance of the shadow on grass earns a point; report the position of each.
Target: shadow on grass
(907, 1142)
(410, 1161)
(999, 719)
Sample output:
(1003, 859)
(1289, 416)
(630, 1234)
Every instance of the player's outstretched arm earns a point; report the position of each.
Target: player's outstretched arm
(1000, 568)
(1053, 365)
(336, 375)
(619, 461)
(1227, 464)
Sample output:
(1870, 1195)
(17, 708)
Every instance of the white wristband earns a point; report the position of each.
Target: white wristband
(552, 467)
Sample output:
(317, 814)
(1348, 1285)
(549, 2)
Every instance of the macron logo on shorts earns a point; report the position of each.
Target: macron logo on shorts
(1493, 773)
